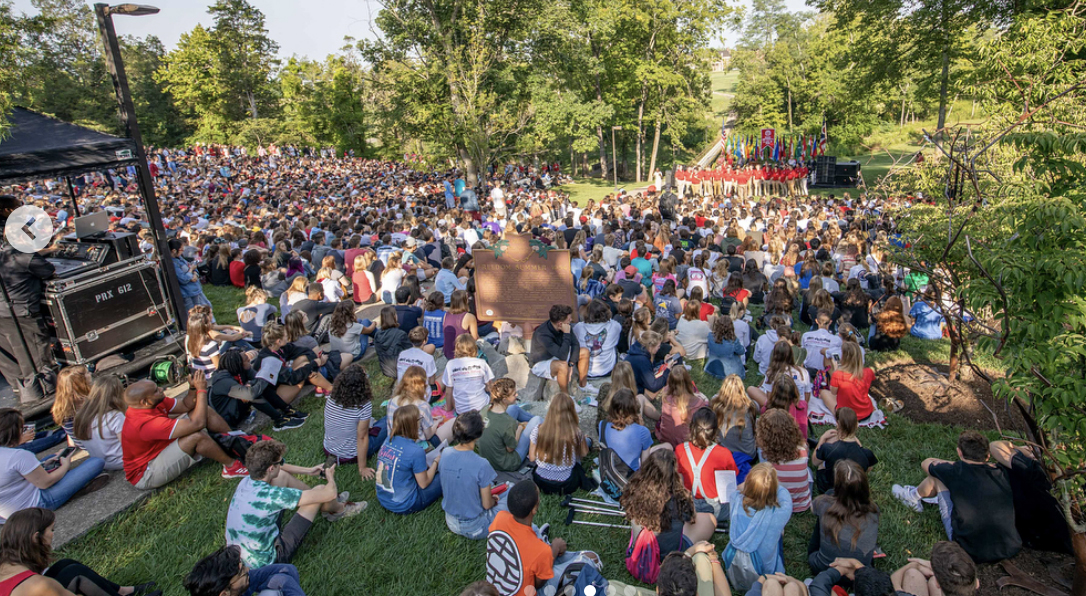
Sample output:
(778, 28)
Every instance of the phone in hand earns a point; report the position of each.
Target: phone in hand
(328, 463)
(30, 428)
(67, 452)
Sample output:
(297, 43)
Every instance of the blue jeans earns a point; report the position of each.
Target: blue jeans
(376, 442)
(519, 413)
(191, 301)
(526, 437)
(44, 440)
(283, 578)
(76, 478)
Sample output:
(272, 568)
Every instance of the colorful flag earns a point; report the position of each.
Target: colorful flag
(825, 139)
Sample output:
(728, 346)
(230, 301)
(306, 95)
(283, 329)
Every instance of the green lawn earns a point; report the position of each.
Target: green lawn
(381, 553)
(722, 83)
(583, 189)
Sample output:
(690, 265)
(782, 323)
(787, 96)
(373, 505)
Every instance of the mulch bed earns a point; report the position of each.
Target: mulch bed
(930, 398)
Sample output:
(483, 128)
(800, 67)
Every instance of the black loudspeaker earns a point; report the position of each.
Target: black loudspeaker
(825, 169)
(848, 169)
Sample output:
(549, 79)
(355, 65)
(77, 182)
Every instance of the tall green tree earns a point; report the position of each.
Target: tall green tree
(161, 120)
(10, 28)
(246, 55)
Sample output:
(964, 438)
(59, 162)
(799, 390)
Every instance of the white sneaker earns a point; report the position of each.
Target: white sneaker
(590, 390)
(908, 495)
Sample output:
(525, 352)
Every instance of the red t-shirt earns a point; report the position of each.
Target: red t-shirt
(852, 393)
(145, 434)
(237, 273)
(524, 557)
(706, 310)
(719, 459)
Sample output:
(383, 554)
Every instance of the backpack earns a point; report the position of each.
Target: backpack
(643, 557)
(614, 473)
(742, 568)
(237, 446)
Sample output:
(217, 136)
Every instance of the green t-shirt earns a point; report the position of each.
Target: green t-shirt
(499, 435)
(251, 519)
(914, 281)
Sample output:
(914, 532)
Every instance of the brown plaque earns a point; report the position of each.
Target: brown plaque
(520, 279)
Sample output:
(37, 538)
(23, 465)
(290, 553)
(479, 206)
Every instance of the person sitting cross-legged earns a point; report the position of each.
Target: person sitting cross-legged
(252, 521)
(223, 573)
(467, 481)
(162, 436)
(519, 560)
(975, 500)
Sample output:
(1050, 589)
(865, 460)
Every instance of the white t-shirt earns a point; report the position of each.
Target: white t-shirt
(814, 342)
(830, 285)
(107, 444)
(415, 357)
(697, 278)
(468, 378)
(601, 339)
(497, 196)
(612, 256)
(16, 492)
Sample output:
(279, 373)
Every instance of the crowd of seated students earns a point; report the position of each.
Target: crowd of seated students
(795, 290)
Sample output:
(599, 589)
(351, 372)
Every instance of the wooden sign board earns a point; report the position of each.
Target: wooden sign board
(520, 279)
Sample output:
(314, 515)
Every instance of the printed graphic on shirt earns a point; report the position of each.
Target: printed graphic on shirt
(595, 341)
(386, 467)
(269, 370)
(503, 568)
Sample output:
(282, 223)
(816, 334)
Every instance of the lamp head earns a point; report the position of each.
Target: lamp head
(133, 10)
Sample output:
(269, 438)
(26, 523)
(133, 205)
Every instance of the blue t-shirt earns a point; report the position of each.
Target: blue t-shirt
(397, 463)
(628, 443)
(926, 321)
(462, 474)
(669, 308)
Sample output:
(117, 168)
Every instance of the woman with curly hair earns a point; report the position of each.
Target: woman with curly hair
(655, 499)
(890, 325)
(347, 335)
(758, 518)
(782, 446)
(347, 413)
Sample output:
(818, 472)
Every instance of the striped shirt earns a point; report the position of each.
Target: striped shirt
(341, 428)
(549, 471)
(796, 477)
(203, 362)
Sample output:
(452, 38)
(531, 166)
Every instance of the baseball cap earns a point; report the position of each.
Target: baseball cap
(409, 242)
(631, 270)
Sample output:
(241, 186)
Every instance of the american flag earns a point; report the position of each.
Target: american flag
(825, 139)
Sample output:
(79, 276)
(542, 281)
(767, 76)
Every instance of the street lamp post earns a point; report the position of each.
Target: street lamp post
(105, 13)
(614, 162)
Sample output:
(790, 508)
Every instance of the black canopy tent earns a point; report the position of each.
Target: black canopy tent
(38, 146)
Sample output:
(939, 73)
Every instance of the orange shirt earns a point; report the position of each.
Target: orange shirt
(515, 557)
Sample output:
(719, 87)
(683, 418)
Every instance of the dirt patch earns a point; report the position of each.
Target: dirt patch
(1050, 569)
(930, 397)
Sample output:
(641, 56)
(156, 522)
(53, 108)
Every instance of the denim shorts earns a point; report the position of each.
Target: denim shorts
(475, 529)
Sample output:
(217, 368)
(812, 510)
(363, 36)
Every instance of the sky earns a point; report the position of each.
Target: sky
(312, 28)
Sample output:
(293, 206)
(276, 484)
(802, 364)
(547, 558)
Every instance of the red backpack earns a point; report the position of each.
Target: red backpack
(643, 557)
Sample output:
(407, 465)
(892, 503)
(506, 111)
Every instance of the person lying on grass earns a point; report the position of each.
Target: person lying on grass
(974, 497)
(950, 572)
(223, 573)
(520, 562)
(252, 521)
(467, 482)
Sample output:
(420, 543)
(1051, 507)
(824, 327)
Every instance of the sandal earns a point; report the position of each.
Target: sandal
(893, 404)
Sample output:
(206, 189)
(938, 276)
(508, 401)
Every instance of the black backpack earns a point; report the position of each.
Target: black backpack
(614, 473)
